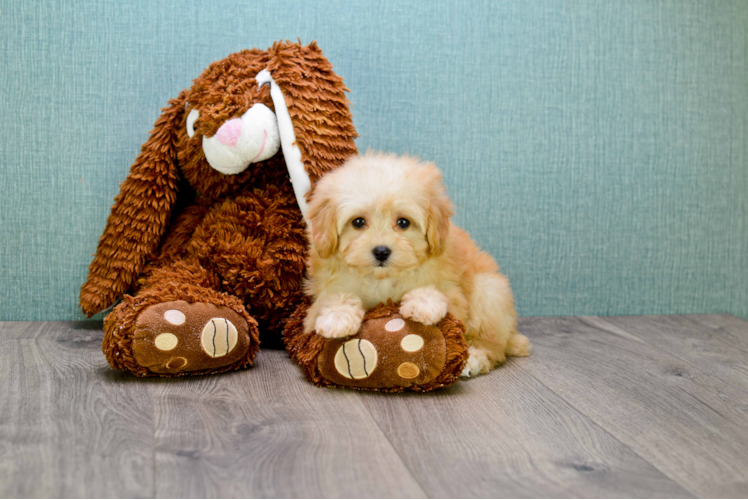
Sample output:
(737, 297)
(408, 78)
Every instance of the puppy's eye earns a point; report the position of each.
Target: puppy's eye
(192, 117)
(403, 223)
(359, 222)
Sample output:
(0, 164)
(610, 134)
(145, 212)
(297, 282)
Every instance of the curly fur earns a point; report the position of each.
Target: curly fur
(182, 230)
(431, 265)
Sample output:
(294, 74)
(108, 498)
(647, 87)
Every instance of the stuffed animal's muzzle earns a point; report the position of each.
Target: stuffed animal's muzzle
(240, 141)
(256, 136)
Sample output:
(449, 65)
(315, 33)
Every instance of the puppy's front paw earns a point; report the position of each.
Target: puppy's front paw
(337, 325)
(478, 362)
(426, 305)
(340, 318)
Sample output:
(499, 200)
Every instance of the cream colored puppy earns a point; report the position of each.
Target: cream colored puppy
(380, 229)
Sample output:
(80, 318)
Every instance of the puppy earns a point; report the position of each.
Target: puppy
(380, 229)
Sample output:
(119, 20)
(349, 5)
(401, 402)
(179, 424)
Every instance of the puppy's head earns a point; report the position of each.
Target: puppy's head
(380, 214)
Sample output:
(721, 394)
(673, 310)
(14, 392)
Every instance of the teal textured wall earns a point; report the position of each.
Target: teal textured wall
(596, 149)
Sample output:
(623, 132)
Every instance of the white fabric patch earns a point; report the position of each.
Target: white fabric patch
(394, 325)
(166, 342)
(412, 343)
(356, 359)
(192, 117)
(291, 152)
(219, 337)
(174, 317)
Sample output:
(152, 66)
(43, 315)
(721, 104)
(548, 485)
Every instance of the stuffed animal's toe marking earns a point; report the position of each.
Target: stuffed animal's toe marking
(412, 343)
(219, 337)
(408, 370)
(356, 359)
(175, 317)
(176, 363)
(395, 325)
(166, 341)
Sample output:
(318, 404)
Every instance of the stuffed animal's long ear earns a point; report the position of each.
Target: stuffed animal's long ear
(316, 101)
(323, 230)
(139, 216)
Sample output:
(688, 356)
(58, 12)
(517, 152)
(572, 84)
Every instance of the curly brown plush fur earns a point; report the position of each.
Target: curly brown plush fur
(180, 230)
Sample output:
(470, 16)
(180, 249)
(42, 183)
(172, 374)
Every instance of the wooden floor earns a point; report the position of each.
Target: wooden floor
(605, 407)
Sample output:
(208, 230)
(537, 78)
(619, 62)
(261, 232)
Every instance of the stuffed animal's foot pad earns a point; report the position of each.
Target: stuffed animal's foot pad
(357, 359)
(177, 336)
(389, 353)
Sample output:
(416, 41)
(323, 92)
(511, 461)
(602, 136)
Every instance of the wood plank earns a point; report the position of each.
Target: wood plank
(690, 340)
(53, 330)
(685, 422)
(73, 428)
(70, 427)
(267, 432)
(731, 329)
(506, 435)
(29, 329)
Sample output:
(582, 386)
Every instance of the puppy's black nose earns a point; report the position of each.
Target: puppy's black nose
(382, 253)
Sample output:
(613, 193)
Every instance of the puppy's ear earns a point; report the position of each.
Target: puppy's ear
(323, 221)
(438, 212)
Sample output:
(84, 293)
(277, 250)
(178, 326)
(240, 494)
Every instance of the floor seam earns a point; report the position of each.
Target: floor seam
(394, 449)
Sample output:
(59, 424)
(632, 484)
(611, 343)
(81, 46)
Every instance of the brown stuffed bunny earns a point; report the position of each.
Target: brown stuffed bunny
(207, 233)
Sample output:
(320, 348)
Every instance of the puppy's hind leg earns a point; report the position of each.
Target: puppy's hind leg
(492, 324)
(518, 345)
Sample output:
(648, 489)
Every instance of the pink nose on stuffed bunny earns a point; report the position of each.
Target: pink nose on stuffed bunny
(229, 133)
